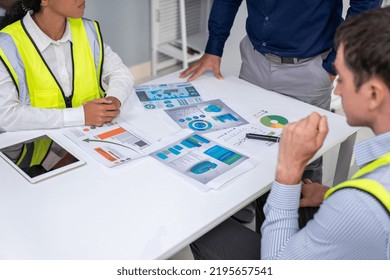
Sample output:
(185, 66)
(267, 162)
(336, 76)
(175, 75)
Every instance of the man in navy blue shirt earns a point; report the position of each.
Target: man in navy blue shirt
(288, 49)
(288, 29)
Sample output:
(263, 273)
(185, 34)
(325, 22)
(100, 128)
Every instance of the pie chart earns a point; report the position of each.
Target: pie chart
(274, 121)
(199, 125)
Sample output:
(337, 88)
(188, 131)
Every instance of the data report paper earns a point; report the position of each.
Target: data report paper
(206, 116)
(167, 96)
(112, 144)
(204, 160)
(261, 122)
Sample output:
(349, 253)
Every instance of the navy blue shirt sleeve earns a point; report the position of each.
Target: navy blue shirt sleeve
(358, 6)
(221, 21)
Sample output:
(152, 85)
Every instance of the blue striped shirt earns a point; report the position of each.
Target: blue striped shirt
(350, 224)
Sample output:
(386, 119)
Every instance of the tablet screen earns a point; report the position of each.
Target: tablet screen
(39, 158)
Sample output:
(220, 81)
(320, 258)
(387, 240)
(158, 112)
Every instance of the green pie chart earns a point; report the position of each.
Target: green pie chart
(274, 121)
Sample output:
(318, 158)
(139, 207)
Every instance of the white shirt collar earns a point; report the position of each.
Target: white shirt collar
(41, 40)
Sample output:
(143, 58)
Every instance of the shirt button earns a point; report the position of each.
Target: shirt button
(266, 18)
(264, 44)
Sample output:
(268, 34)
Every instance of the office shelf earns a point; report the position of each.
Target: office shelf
(179, 32)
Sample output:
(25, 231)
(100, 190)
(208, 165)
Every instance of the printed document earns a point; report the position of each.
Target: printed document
(206, 117)
(112, 144)
(262, 122)
(204, 161)
(167, 96)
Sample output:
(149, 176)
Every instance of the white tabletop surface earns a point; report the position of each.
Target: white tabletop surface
(138, 211)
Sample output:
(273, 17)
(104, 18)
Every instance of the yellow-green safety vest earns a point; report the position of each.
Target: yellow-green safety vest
(35, 82)
(368, 185)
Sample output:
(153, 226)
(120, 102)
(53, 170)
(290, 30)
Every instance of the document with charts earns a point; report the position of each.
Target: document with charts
(262, 122)
(167, 96)
(206, 117)
(204, 161)
(112, 144)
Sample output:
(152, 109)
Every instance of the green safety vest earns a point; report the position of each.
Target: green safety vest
(34, 80)
(368, 185)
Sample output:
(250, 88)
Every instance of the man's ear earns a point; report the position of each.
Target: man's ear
(376, 92)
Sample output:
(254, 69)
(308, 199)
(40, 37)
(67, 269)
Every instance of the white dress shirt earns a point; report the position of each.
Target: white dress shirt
(57, 54)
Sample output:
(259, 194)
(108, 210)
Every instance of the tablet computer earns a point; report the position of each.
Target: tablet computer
(39, 158)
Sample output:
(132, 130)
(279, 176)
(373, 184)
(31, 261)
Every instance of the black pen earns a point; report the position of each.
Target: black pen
(262, 137)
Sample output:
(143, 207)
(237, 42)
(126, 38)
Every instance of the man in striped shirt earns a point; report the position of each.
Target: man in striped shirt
(353, 221)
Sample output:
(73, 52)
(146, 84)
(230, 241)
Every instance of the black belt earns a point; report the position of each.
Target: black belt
(292, 60)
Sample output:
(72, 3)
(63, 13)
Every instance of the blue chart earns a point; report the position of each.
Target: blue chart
(150, 106)
(195, 122)
(205, 117)
(175, 150)
(214, 108)
(222, 154)
(199, 125)
(203, 167)
(167, 96)
(164, 92)
(226, 117)
(194, 141)
(200, 159)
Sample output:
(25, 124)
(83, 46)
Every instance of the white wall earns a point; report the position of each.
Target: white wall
(125, 26)
(231, 61)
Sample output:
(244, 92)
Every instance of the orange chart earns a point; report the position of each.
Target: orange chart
(274, 121)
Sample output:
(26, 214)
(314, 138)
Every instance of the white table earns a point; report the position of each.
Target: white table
(139, 211)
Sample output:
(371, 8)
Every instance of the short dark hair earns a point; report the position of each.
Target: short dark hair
(366, 41)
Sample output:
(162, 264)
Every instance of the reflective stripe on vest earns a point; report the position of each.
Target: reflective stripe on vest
(34, 153)
(370, 186)
(33, 79)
